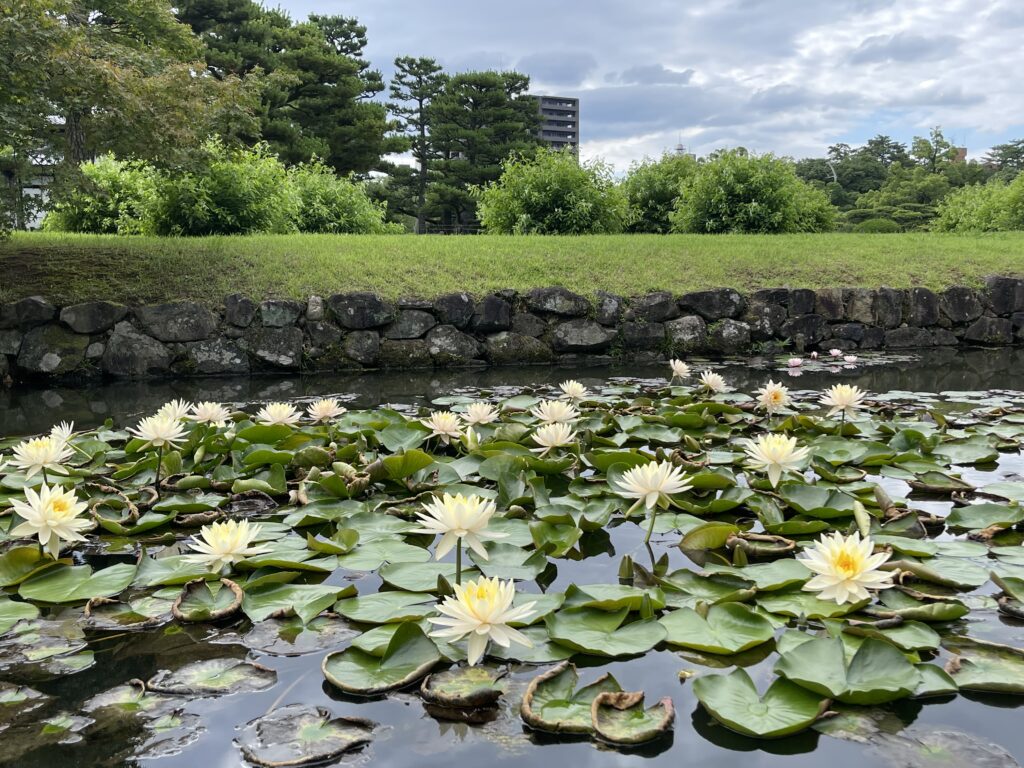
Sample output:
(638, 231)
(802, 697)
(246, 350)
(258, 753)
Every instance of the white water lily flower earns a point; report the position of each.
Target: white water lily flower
(273, 414)
(843, 398)
(796, 362)
(555, 412)
(483, 610)
(773, 397)
(470, 438)
(849, 358)
(774, 454)
(551, 436)
(41, 454)
(63, 431)
(459, 517)
(480, 413)
(175, 409)
(573, 391)
(223, 544)
(845, 568)
(713, 382)
(52, 515)
(208, 412)
(652, 484)
(680, 370)
(836, 352)
(443, 424)
(160, 431)
(325, 409)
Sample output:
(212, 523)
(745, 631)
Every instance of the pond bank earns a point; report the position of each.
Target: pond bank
(351, 332)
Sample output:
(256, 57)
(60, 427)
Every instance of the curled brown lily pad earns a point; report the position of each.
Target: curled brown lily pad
(619, 717)
(202, 601)
(464, 687)
(298, 735)
(552, 703)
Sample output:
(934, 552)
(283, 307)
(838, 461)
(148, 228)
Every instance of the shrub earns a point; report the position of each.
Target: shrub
(877, 226)
(740, 192)
(329, 203)
(652, 188)
(552, 193)
(231, 191)
(991, 207)
(111, 198)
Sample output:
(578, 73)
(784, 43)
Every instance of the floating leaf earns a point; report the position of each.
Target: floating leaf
(552, 703)
(207, 601)
(620, 718)
(602, 633)
(409, 655)
(733, 700)
(213, 677)
(728, 628)
(460, 686)
(300, 735)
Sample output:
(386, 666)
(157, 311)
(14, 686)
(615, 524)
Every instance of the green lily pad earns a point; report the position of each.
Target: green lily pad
(612, 597)
(507, 561)
(552, 703)
(797, 603)
(464, 687)
(728, 628)
(422, 577)
(409, 655)
(877, 673)
(975, 517)
(12, 611)
(301, 735)
(387, 607)
(733, 700)
(602, 633)
(766, 577)
(620, 718)
(213, 677)
(986, 667)
(306, 601)
(70, 584)
(207, 601)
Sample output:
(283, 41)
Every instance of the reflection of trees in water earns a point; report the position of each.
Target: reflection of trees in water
(27, 409)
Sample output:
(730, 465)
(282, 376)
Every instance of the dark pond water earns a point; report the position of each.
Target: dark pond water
(412, 737)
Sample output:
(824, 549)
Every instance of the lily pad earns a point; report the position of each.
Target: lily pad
(733, 700)
(301, 735)
(602, 633)
(464, 687)
(620, 718)
(207, 601)
(727, 628)
(213, 677)
(409, 656)
(552, 703)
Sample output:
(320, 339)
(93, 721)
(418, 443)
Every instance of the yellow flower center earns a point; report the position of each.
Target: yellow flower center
(61, 506)
(847, 564)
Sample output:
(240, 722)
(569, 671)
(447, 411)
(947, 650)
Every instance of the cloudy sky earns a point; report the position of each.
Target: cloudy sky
(787, 76)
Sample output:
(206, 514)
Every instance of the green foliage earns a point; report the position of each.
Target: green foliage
(992, 207)
(740, 192)
(329, 203)
(552, 193)
(909, 197)
(652, 188)
(111, 199)
(878, 226)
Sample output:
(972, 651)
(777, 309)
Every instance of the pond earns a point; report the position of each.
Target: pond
(66, 682)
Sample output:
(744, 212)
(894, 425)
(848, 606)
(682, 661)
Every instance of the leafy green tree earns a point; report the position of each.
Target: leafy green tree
(316, 83)
(111, 199)
(992, 207)
(886, 150)
(934, 152)
(551, 193)
(417, 82)
(651, 189)
(476, 122)
(909, 197)
(329, 203)
(1007, 159)
(741, 192)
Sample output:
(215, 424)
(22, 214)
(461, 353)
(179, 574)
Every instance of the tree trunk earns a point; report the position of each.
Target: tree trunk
(421, 182)
(74, 139)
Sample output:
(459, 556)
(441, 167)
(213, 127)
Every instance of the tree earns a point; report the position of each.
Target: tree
(886, 150)
(992, 207)
(476, 122)
(316, 83)
(1007, 159)
(741, 192)
(909, 197)
(934, 152)
(651, 189)
(417, 82)
(551, 193)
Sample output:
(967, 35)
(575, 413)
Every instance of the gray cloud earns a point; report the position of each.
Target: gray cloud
(558, 68)
(651, 74)
(904, 46)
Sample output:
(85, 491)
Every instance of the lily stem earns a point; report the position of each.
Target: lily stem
(650, 527)
(159, 464)
(458, 562)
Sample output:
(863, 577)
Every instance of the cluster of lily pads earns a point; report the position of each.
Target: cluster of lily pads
(800, 515)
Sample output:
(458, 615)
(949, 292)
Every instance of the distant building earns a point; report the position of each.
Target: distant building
(682, 152)
(560, 122)
(960, 155)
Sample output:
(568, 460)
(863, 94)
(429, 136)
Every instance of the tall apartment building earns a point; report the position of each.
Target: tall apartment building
(560, 122)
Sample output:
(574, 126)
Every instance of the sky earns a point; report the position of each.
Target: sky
(785, 76)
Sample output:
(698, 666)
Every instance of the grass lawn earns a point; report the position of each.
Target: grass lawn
(71, 268)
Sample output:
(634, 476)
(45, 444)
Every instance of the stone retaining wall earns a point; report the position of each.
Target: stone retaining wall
(353, 331)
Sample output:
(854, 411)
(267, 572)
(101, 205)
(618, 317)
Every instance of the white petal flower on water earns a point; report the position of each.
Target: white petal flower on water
(843, 398)
(273, 414)
(849, 358)
(680, 370)
(483, 610)
(52, 516)
(210, 413)
(220, 545)
(175, 409)
(459, 517)
(796, 362)
(325, 409)
(480, 413)
(41, 453)
(551, 436)
(774, 454)
(444, 424)
(713, 382)
(836, 352)
(652, 484)
(573, 391)
(845, 568)
(555, 412)
(160, 431)
(773, 397)
(63, 431)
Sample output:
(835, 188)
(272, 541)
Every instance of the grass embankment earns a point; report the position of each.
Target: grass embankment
(71, 268)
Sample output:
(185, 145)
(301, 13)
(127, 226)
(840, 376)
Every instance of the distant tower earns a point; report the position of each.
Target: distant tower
(681, 151)
(560, 122)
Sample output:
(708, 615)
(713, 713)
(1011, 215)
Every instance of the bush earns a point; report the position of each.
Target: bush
(992, 207)
(552, 193)
(877, 226)
(233, 191)
(111, 198)
(651, 190)
(329, 203)
(739, 192)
